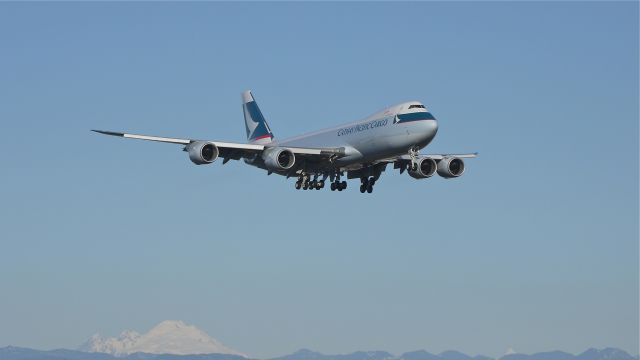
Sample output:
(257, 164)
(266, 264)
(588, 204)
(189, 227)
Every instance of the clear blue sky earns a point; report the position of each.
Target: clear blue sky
(535, 248)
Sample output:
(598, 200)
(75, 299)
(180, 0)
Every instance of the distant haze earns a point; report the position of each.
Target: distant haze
(534, 248)
(14, 353)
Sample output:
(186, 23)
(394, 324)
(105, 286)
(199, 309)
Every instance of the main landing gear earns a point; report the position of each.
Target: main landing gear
(305, 182)
(366, 184)
(338, 185)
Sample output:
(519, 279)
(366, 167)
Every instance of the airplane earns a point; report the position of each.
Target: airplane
(361, 149)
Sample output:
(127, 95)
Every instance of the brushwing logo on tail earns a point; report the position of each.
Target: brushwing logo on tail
(251, 125)
(257, 127)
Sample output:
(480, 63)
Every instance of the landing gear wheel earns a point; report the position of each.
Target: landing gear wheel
(321, 183)
(333, 186)
(305, 185)
(370, 188)
(318, 185)
(344, 184)
(298, 185)
(363, 188)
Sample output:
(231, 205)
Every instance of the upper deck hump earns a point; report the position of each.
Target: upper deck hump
(388, 111)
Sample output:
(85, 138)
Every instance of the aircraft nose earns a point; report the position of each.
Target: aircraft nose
(430, 127)
(434, 125)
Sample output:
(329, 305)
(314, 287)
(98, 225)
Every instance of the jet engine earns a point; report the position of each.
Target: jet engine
(450, 167)
(426, 168)
(202, 152)
(278, 159)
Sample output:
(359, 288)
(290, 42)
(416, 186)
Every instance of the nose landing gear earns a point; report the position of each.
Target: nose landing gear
(413, 154)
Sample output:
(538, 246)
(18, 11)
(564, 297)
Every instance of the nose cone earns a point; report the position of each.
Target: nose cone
(430, 128)
(433, 126)
(426, 131)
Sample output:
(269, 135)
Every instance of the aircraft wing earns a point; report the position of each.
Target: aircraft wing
(231, 150)
(401, 161)
(436, 156)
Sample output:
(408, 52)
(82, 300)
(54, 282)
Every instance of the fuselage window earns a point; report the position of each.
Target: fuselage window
(416, 106)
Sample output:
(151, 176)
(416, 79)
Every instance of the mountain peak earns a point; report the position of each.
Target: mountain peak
(306, 351)
(168, 337)
(605, 354)
(171, 324)
(176, 327)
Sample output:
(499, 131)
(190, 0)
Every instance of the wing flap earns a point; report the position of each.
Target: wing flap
(440, 156)
(436, 156)
(317, 151)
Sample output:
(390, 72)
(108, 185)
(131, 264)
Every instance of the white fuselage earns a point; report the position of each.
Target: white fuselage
(378, 136)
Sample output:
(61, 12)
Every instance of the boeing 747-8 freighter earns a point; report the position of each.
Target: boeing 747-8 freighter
(359, 150)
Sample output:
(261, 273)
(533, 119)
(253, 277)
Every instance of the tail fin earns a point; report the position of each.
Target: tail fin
(258, 130)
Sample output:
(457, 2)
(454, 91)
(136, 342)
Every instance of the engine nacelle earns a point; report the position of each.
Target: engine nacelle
(426, 168)
(450, 167)
(278, 159)
(202, 152)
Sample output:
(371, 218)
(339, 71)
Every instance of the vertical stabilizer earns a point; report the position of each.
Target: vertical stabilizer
(258, 130)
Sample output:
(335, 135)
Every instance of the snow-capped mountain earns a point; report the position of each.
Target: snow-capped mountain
(168, 337)
(17, 353)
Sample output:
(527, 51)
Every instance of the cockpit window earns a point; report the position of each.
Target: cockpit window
(415, 116)
(416, 107)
